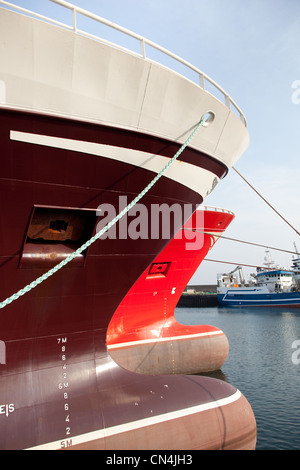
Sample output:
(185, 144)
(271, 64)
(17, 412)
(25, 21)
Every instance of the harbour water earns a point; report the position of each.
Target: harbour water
(263, 363)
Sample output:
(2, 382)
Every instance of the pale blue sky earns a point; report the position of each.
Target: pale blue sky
(252, 49)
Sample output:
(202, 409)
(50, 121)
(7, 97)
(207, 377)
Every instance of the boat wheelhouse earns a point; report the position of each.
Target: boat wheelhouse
(270, 287)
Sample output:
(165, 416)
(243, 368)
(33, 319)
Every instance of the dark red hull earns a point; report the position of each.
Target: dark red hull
(143, 335)
(59, 386)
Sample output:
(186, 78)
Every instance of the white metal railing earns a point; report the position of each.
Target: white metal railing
(143, 42)
(213, 208)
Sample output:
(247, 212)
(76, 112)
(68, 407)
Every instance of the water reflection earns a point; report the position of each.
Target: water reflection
(260, 365)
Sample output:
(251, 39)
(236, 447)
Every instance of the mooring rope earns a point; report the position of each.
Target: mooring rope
(243, 264)
(92, 240)
(273, 208)
(215, 234)
(236, 264)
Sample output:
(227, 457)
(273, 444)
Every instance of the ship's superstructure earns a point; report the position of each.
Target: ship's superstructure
(271, 286)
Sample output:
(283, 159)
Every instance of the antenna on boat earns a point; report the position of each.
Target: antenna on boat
(268, 260)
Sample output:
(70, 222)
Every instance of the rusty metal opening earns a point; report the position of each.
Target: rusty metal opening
(54, 233)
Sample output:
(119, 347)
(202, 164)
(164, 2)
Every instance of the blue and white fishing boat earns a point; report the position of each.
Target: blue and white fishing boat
(271, 286)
